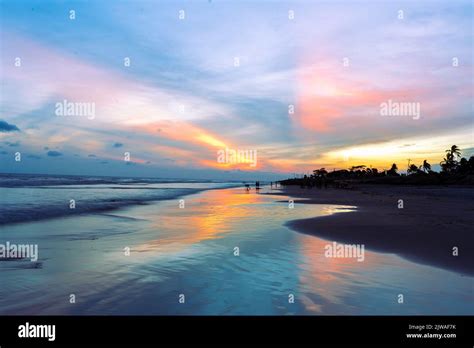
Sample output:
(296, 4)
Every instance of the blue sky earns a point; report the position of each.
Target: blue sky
(183, 97)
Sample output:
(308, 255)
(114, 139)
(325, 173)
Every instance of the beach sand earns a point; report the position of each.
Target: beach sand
(432, 222)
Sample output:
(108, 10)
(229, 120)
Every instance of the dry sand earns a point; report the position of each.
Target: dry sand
(432, 221)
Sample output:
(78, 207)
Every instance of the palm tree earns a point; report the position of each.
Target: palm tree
(455, 151)
(426, 166)
(449, 163)
(393, 170)
(412, 169)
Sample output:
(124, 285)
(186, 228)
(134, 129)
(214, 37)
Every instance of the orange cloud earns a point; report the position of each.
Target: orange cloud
(210, 140)
(184, 132)
(328, 95)
(203, 144)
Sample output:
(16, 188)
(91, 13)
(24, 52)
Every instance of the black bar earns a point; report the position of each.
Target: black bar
(287, 330)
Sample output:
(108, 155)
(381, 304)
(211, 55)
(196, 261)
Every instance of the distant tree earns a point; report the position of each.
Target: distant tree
(471, 164)
(448, 164)
(466, 166)
(393, 170)
(320, 172)
(358, 167)
(412, 169)
(426, 167)
(455, 152)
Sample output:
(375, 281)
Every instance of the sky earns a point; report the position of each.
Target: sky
(171, 83)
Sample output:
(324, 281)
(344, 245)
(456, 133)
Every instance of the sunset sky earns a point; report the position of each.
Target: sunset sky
(183, 98)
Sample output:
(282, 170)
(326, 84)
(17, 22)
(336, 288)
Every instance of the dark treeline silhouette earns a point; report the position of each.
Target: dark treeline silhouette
(454, 170)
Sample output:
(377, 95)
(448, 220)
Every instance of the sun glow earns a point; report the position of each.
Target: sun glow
(383, 154)
(210, 140)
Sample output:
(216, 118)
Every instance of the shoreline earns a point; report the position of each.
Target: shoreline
(90, 206)
(432, 221)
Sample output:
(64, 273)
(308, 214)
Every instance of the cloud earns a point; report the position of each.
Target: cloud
(34, 156)
(15, 144)
(6, 127)
(190, 101)
(91, 155)
(3, 153)
(54, 153)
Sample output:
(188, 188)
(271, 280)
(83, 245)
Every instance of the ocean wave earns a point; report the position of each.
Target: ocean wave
(14, 213)
(27, 180)
(26, 198)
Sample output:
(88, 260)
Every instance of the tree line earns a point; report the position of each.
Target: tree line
(454, 169)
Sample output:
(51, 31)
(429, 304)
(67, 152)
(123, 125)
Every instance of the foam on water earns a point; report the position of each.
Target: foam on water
(32, 197)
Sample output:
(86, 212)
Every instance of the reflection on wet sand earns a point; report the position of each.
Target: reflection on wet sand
(200, 219)
(330, 277)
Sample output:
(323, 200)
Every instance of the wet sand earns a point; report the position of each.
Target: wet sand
(432, 222)
(191, 251)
